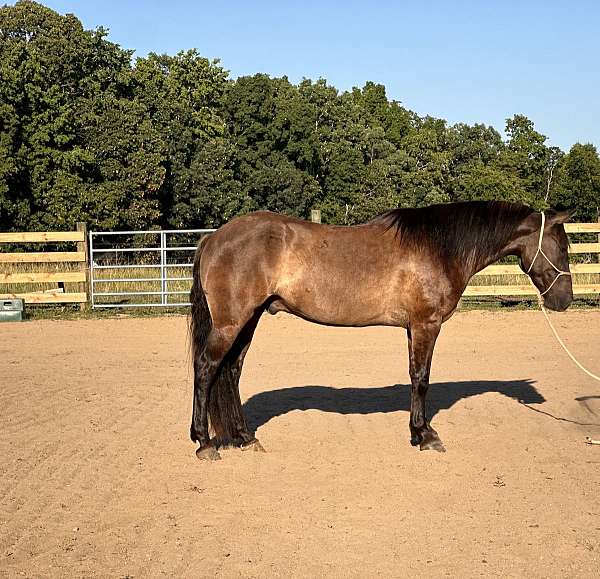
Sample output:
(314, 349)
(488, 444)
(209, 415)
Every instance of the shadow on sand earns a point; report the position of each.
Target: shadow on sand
(262, 407)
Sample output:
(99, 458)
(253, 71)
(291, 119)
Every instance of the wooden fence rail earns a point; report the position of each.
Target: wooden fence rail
(478, 286)
(58, 295)
(475, 288)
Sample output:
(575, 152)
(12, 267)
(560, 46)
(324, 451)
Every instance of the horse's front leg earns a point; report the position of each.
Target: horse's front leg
(421, 342)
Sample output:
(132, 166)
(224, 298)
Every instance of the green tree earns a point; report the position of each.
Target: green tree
(578, 182)
(526, 157)
(271, 128)
(425, 177)
(476, 173)
(61, 86)
(183, 95)
(172, 141)
(123, 183)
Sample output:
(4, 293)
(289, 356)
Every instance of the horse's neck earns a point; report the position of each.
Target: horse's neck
(479, 262)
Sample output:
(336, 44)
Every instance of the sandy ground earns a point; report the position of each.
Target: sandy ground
(99, 479)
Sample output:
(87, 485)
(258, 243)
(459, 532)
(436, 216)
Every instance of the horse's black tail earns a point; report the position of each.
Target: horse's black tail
(224, 404)
(200, 320)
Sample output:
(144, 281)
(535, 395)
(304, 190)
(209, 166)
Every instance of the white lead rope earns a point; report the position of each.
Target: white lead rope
(541, 301)
(588, 440)
(565, 347)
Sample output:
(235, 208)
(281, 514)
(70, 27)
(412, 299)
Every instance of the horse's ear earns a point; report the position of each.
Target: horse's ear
(556, 217)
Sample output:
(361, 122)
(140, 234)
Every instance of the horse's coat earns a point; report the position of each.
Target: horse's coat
(407, 268)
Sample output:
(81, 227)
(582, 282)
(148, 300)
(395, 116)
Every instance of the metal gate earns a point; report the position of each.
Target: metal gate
(138, 269)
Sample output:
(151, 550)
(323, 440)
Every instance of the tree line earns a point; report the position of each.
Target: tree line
(88, 134)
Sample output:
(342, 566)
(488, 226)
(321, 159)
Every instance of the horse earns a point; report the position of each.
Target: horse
(406, 268)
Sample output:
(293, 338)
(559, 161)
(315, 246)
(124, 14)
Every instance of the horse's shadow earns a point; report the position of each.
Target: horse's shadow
(262, 407)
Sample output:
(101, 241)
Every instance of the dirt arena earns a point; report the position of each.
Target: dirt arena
(99, 479)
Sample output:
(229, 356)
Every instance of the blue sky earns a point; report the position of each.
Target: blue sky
(464, 61)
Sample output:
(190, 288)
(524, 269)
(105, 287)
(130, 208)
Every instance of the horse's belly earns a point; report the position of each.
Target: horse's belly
(346, 305)
(350, 318)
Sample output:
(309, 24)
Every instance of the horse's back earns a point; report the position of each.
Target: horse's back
(293, 245)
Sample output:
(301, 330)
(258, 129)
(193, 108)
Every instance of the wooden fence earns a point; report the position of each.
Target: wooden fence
(526, 289)
(79, 275)
(58, 295)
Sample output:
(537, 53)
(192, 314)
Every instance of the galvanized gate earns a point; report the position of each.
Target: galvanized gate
(136, 269)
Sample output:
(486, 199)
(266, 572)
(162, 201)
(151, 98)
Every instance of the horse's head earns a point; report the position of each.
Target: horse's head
(545, 258)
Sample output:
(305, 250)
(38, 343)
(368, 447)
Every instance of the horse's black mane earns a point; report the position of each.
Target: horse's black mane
(463, 231)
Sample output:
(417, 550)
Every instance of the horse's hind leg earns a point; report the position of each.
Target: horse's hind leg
(421, 342)
(216, 380)
(243, 436)
(207, 366)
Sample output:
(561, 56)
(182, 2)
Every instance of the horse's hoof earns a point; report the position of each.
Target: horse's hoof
(431, 441)
(253, 445)
(208, 453)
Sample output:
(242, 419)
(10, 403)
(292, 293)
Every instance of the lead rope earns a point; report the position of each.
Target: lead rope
(588, 440)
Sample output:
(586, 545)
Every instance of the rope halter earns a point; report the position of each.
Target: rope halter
(540, 250)
(541, 303)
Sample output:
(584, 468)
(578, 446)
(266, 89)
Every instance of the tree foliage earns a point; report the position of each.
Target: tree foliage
(578, 182)
(87, 134)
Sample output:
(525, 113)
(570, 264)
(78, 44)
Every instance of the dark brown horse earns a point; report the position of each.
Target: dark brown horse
(407, 268)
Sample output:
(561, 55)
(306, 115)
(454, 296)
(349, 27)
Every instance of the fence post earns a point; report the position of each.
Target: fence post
(163, 260)
(315, 215)
(84, 265)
